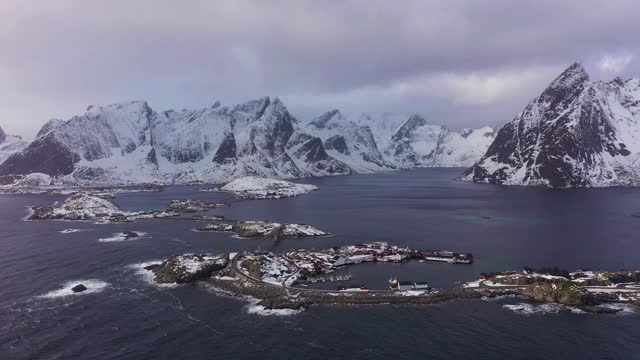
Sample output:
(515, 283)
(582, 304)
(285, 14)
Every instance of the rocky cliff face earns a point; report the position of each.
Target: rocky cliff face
(577, 133)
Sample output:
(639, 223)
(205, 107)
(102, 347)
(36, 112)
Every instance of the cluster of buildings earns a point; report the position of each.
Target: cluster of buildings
(288, 267)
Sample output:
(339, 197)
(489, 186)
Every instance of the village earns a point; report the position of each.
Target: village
(307, 265)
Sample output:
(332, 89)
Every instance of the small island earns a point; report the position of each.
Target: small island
(256, 188)
(86, 206)
(263, 229)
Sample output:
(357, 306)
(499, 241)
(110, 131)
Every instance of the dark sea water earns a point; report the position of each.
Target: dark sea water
(504, 227)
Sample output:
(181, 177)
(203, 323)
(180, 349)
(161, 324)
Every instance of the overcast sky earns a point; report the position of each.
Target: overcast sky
(460, 63)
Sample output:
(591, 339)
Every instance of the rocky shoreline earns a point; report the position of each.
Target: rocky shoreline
(263, 229)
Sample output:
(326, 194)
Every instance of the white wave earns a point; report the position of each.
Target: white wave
(623, 309)
(500, 297)
(93, 286)
(262, 311)
(122, 237)
(147, 275)
(70, 231)
(536, 309)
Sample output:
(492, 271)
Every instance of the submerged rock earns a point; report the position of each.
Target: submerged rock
(78, 288)
(130, 235)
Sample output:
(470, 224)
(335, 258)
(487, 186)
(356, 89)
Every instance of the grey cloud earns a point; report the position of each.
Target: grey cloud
(59, 57)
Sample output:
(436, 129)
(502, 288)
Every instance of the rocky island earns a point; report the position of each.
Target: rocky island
(263, 229)
(86, 206)
(190, 206)
(251, 187)
(273, 278)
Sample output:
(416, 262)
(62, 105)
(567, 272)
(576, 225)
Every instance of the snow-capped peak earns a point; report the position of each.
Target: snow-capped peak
(572, 77)
(577, 133)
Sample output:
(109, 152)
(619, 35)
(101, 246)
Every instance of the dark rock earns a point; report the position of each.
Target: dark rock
(45, 155)
(152, 158)
(227, 151)
(78, 288)
(130, 234)
(337, 143)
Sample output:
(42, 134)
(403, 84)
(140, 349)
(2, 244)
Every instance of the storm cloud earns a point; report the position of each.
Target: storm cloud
(461, 63)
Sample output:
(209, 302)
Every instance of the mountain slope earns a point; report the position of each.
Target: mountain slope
(577, 133)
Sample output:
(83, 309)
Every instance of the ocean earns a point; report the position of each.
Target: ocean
(125, 316)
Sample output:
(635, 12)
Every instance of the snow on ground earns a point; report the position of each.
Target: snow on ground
(472, 284)
(85, 206)
(411, 293)
(262, 188)
(93, 286)
(302, 230)
(194, 263)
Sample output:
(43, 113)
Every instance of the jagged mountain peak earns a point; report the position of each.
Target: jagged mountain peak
(408, 127)
(3, 135)
(572, 77)
(254, 108)
(134, 106)
(324, 119)
(577, 133)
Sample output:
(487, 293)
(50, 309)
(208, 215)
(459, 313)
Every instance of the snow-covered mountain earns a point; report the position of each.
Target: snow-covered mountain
(348, 142)
(10, 144)
(417, 143)
(129, 143)
(577, 133)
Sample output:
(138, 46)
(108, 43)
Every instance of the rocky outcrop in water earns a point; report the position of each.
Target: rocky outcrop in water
(562, 293)
(190, 206)
(188, 268)
(264, 229)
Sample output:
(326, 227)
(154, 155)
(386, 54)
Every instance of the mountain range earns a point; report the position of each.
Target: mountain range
(130, 143)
